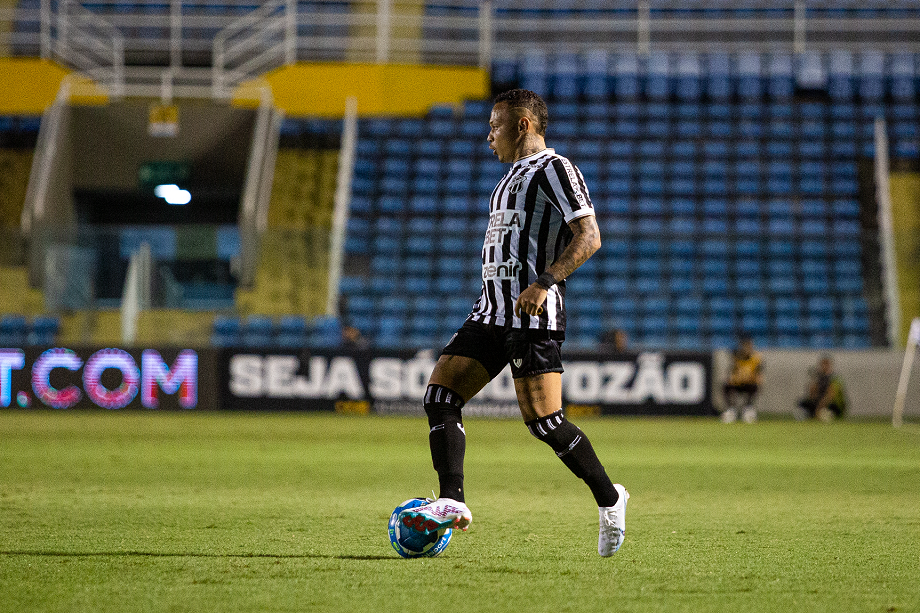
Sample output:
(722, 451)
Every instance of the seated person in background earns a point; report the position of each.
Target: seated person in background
(744, 381)
(353, 340)
(614, 341)
(825, 400)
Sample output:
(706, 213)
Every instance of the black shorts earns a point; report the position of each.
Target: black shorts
(749, 390)
(530, 352)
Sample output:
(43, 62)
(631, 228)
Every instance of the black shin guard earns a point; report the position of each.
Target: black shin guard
(576, 452)
(447, 438)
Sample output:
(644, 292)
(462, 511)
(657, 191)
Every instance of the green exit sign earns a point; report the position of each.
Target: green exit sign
(164, 172)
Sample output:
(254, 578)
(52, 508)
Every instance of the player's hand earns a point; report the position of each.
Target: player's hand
(530, 301)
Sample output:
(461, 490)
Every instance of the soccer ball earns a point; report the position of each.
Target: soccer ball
(410, 543)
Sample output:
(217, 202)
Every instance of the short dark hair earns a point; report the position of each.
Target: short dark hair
(526, 99)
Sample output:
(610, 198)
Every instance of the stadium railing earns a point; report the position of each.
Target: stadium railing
(200, 43)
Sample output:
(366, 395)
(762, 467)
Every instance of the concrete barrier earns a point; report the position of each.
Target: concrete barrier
(870, 378)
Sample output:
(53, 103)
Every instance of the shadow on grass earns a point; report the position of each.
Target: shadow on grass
(167, 554)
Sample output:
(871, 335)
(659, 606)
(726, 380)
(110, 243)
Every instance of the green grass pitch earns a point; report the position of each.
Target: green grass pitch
(213, 512)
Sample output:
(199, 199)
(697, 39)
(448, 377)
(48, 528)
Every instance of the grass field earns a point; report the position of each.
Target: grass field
(197, 512)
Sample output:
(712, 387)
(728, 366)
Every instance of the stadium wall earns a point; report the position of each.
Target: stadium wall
(320, 89)
(870, 378)
(30, 86)
(300, 90)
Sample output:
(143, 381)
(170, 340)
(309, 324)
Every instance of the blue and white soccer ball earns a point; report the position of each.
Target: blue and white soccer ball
(409, 542)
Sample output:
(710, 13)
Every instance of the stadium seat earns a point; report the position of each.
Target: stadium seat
(626, 76)
(13, 331)
(257, 331)
(903, 83)
(326, 332)
(44, 330)
(871, 72)
(658, 76)
(780, 73)
(840, 75)
(718, 73)
(225, 332)
(596, 84)
(535, 71)
(750, 83)
(291, 331)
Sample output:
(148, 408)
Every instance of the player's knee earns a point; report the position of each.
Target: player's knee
(442, 404)
(556, 431)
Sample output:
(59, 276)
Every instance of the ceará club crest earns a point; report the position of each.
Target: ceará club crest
(516, 185)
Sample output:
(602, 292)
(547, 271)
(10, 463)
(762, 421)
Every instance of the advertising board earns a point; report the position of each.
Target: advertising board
(650, 383)
(105, 377)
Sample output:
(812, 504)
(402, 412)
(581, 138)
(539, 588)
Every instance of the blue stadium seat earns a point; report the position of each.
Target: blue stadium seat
(851, 283)
(689, 305)
(689, 85)
(753, 324)
(291, 331)
(780, 74)
(715, 286)
(720, 324)
(13, 331)
(787, 325)
(840, 70)
(658, 76)
(750, 69)
(788, 305)
(626, 76)
(535, 71)
(325, 333)
(754, 305)
(504, 69)
(44, 330)
(813, 227)
(903, 83)
(596, 85)
(565, 78)
(257, 331)
(871, 75)
(718, 72)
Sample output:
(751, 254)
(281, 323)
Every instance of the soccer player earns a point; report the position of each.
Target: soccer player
(541, 228)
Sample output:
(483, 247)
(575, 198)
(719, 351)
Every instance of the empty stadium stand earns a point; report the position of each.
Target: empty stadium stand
(734, 193)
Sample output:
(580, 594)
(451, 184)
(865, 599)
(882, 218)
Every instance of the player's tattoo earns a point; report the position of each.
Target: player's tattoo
(586, 240)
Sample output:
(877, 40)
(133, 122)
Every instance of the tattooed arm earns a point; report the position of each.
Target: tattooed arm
(586, 240)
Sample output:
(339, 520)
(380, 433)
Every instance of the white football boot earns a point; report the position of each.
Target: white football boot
(437, 515)
(613, 524)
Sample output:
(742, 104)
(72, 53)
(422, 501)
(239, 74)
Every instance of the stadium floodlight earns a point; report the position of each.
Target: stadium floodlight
(172, 194)
(913, 339)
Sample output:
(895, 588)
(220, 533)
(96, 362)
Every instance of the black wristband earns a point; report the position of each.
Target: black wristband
(546, 280)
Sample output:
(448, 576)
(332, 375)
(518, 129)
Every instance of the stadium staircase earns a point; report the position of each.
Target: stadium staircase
(17, 143)
(292, 275)
(905, 205)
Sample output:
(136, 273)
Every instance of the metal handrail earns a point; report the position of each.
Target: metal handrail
(280, 32)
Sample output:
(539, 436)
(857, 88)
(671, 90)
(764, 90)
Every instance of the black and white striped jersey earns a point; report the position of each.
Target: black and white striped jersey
(530, 210)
